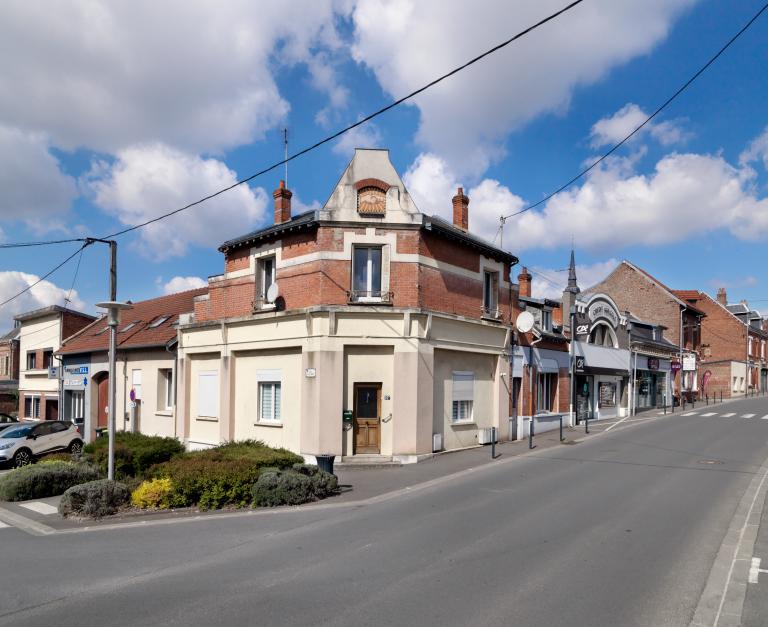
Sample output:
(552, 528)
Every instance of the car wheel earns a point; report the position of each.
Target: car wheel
(75, 448)
(22, 458)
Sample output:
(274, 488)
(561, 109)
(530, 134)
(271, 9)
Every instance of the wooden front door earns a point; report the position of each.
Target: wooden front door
(367, 410)
(102, 401)
(51, 409)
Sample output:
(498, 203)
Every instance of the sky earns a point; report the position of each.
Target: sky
(114, 113)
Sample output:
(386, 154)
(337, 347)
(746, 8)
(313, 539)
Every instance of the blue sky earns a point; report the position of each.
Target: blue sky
(110, 117)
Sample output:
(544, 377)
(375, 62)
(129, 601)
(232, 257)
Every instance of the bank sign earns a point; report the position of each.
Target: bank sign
(604, 310)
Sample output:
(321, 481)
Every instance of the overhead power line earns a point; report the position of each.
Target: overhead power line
(42, 243)
(663, 106)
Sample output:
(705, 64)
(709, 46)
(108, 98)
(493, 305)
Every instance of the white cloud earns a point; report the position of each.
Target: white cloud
(365, 136)
(146, 181)
(34, 189)
(757, 150)
(463, 119)
(186, 73)
(183, 284)
(549, 283)
(614, 128)
(43, 294)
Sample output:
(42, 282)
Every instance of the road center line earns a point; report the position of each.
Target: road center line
(729, 415)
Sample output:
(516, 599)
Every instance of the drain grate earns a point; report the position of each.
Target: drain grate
(709, 461)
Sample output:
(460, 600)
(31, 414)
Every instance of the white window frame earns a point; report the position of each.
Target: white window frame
(369, 273)
(490, 295)
(546, 319)
(208, 381)
(33, 355)
(136, 382)
(77, 404)
(462, 397)
(262, 277)
(35, 403)
(545, 389)
(166, 397)
(276, 409)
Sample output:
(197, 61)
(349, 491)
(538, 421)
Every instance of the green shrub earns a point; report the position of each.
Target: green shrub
(283, 488)
(153, 493)
(225, 475)
(135, 453)
(324, 484)
(44, 480)
(94, 499)
(58, 457)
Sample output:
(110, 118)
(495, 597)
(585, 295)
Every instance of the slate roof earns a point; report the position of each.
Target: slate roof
(46, 311)
(302, 221)
(136, 330)
(13, 334)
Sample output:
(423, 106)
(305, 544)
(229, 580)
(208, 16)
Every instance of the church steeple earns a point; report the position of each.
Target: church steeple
(573, 287)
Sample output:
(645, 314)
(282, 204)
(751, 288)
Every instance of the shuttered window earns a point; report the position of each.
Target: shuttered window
(463, 396)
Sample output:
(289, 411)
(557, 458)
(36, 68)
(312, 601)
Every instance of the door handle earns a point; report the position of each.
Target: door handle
(387, 419)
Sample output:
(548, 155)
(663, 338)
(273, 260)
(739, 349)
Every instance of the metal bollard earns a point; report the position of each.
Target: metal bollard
(707, 399)
(561, 429)
(493, 442)
(530, 434)
(586, 423)
(665, 407)
(693, 403)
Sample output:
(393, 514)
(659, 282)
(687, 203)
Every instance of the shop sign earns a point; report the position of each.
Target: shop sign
(607, 394)
(674, 367)
(689, 363)
(579, 363)
(653, 363)
(76, 369)
(603, 309)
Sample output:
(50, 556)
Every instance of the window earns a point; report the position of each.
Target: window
(366, 273)
(270, 401)
(165, 397)
(58, 426)
(266, 277)
(31, 360)
(490, 293)
(546, 388)
(136, 383)
(463, 396)
(128, 327)
(77, 404)
(208, 394)
(546, 320)
(603, 335)
(32, 407)
(47, 358)
(158, 321)
(4, 366)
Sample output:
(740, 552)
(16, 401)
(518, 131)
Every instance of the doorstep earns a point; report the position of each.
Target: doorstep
(368, 461)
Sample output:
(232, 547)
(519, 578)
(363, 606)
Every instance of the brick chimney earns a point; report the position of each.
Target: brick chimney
(524, 279)
(722, 296)
(461, 210)
(282, 197)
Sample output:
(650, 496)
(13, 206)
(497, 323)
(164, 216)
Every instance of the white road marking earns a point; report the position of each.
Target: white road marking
(40, 508)
(748, 415)
(712, 413)
(728, 415)
(3, 525)
(755, 570)
(690, 413)
(765, 417)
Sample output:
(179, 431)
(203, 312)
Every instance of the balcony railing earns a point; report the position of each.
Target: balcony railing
(366, 297)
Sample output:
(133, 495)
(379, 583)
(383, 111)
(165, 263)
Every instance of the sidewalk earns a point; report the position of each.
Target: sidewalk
(357, 484)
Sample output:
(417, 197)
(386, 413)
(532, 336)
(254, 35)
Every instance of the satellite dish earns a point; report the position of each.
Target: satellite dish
(272, 293)
(524, 322)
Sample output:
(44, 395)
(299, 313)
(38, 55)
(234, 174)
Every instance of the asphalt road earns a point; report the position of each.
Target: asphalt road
(619, 530)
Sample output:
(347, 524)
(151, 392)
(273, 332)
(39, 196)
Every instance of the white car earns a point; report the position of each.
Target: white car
(21, 444)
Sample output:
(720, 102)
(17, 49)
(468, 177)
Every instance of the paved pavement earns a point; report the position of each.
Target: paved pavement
(624, 528)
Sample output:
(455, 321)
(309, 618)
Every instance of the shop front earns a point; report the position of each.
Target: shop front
(651, 382)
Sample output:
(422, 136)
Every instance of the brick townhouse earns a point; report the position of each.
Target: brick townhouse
(649, 300)
(364, 328)
(41, 333)
(734, 350)
(146, 368)
(540, 371)
(9, 371)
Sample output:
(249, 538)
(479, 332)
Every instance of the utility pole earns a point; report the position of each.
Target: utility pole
(113, 320)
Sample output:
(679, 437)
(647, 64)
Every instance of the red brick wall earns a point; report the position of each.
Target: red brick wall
(71, 324)
(441, 249)
(722, 335)
(237, 260)
(10, 349)
(295, 245)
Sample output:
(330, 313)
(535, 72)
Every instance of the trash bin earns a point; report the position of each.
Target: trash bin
(101, 432)
(325, 462)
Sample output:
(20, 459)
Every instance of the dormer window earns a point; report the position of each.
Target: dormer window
(371, 201)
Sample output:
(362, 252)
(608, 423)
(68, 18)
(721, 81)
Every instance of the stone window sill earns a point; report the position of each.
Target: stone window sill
(265, 423)
(464, 423)
(207, 419)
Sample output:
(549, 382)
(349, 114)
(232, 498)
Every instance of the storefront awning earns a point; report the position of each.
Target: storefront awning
(603, 359)
(548, 366)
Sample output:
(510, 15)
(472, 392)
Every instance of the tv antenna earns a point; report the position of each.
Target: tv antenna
(285, 146)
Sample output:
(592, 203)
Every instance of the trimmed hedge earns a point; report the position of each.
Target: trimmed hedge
(94, 499)
(135, 453)
(221, 476)
(44, 480)
(301, 484)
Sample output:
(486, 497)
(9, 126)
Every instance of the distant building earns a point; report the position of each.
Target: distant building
(146, 368)
(734, 340)
(364, 329)
(41, 333)
(9, 371)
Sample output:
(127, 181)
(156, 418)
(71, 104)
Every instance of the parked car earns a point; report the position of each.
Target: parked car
(6, 419)
(23, 443)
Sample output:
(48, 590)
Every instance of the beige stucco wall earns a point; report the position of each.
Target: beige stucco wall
(151, 418)
(246, 367)
(485, 406)
(202, 429)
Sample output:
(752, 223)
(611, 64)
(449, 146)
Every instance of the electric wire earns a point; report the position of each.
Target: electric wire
(68, 299)
(663, 106)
